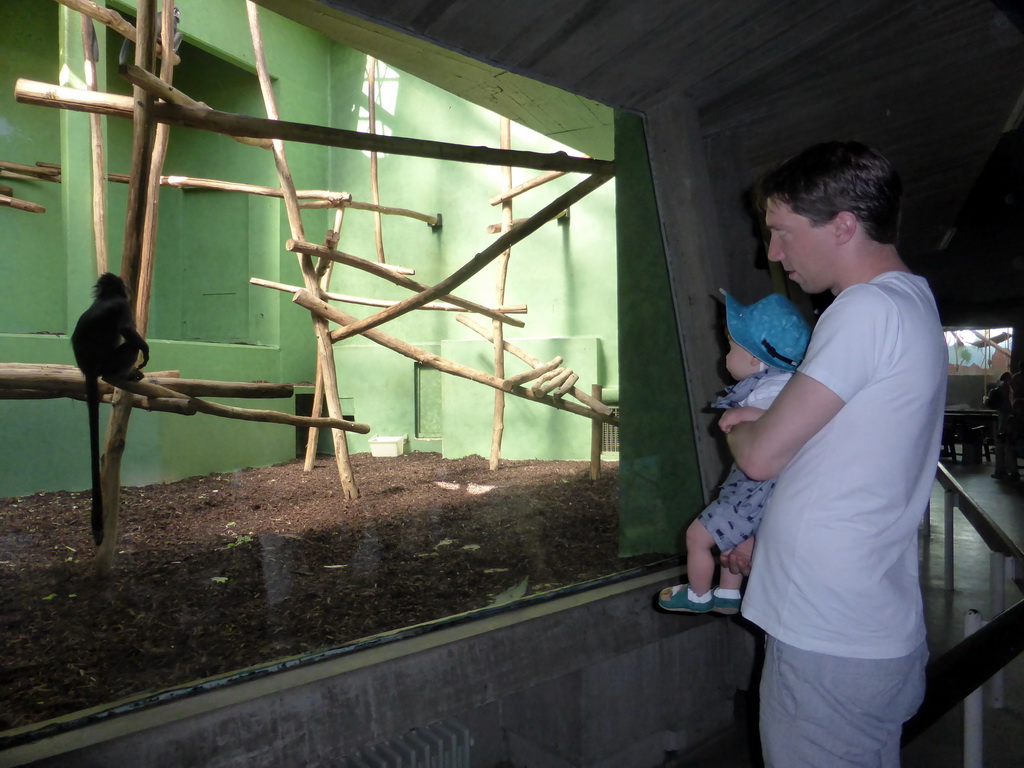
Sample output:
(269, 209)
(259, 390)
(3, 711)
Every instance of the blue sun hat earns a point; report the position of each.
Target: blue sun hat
(773, 330)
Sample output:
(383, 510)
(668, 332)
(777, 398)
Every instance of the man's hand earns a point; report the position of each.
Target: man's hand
(739, 558)
(735, 416)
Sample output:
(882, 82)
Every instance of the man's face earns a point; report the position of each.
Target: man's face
(802, 249)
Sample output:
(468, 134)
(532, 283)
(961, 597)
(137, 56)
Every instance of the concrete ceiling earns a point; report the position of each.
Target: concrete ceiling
(932, 83)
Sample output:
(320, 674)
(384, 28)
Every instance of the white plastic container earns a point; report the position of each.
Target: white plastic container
(381, 445)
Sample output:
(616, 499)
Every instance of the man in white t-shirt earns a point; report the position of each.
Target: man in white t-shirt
(854, 439)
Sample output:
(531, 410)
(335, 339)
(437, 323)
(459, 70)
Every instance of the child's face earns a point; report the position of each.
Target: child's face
(739, 362)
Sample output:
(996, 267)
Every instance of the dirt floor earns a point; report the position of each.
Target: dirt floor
(222, 572)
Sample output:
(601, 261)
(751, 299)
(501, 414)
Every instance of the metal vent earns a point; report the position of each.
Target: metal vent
(440, 745)
(610, 435)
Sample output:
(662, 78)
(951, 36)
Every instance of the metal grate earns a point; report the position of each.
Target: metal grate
(439, 745)
(610, 436)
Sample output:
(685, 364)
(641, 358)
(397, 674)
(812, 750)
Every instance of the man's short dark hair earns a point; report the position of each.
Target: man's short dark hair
(836, 176)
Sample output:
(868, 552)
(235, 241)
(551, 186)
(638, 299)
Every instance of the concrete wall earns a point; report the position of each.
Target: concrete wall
(595, 679)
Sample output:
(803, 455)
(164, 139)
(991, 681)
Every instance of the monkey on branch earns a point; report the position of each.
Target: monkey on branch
(106, 344)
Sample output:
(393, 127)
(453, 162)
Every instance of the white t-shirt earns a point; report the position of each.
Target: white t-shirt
(836, 562)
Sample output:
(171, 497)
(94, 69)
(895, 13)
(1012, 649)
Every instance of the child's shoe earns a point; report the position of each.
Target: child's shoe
(678, 600)
(727, 606)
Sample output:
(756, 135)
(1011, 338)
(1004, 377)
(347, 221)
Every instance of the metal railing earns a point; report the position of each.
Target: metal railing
(959, 673)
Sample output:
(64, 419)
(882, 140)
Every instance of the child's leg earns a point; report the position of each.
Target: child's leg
(700, 563)
(729, 580)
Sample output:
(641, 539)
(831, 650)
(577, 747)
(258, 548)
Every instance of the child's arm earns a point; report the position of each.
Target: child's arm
(735, 416)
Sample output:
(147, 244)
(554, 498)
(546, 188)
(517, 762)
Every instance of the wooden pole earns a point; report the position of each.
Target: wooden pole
(44, 94)
(21, 205)
(526, 186)
(323, 335)
(305, 299)
(532, 361)
(371, 88)
(366, 301)
(313, 436)
(498, 425)
(30, 171)
(156, 166)
(389, 273)
(162, 89)
(142, 149)
(596, 430)
(112, 19)
(99, 188)
(49, 95)
(478, 262)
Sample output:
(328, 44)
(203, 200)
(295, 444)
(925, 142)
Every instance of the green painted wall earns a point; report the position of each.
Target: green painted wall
(565, 273)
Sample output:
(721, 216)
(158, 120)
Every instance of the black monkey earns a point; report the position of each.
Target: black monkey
(106, 344)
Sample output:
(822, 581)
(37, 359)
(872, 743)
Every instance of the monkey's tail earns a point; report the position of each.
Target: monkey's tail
(92, 391)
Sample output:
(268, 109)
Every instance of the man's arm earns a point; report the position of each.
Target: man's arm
(764, 447)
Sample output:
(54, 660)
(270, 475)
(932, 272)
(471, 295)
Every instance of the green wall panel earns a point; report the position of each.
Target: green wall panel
(659, 485)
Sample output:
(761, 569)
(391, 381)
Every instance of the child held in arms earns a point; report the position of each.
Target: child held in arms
(767, 341)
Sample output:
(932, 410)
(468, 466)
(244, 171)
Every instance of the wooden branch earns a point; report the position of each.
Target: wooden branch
(389, 273)
(112, 19)
(530, 360)
(31, 171)
(305, 299)
(150, 389)
(21, 205)
(478, 262)
(556, 381)
(5, 190)
(431, 220)
(568, 386)
(243, 389)
(77, 100)
(244, 125)
(325, 352)
(44, 94)
(98, 199)
(533, 373)
(494, 229)
(161, 89)
(533, 183)
(365, 301)
(48, 95)
(371, 88)
(143, 130)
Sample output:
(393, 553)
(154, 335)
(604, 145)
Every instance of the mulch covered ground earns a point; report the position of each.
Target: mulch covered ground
(222, 572)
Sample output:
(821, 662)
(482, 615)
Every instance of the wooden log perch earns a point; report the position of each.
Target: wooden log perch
(149, 389)
(21, 205)
(533, 183)
(387, 272)
(425, 217)
(556, 381)
(157, 88)
(530, 360)
(49, 95)
(533, 373)
(305, 299)
(31, 171)
(494, 229)
(77, 100)
(112, 19)
(481, 260)
(365, 301)
(567, 386)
